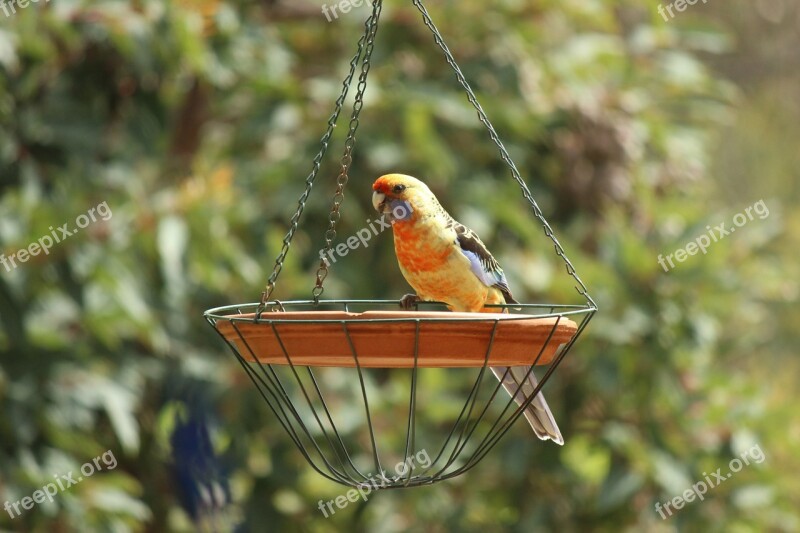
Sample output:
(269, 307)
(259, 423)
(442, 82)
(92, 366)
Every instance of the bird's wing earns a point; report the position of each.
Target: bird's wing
(482, 263)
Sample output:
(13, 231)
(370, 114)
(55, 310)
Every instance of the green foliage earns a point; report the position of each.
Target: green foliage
(196, 123)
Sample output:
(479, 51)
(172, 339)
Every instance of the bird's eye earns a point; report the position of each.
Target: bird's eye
(398, 189)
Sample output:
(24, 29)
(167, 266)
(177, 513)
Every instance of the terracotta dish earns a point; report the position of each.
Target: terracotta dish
(386, 339)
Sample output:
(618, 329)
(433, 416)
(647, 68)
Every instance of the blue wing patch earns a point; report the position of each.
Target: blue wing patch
(481, 262)
(489, 278)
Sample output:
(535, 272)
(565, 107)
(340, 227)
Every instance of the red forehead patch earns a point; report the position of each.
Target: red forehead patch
(381, 185)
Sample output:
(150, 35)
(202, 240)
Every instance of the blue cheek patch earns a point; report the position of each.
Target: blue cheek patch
(401, 210)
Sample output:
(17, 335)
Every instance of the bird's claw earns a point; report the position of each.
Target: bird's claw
(408, 301)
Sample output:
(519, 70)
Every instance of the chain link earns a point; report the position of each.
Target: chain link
(365, 48)
(301, 203)
(437, 37)
(349, 145)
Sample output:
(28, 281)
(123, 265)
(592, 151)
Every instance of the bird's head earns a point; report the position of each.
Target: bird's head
(401, 197)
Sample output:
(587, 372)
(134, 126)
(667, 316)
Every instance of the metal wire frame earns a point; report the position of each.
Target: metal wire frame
(299, 396)
(301, 399)
(504, 155)
(363, 54)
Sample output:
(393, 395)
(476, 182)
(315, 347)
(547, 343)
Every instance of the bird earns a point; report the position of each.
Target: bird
(444, 261)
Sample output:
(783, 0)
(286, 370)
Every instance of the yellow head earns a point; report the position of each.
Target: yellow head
(403, 198)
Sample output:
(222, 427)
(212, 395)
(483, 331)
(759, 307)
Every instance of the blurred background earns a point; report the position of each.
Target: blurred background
(196, 122)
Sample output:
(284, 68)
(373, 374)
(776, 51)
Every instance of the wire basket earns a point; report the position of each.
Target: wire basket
(334, 372)
(306, 357)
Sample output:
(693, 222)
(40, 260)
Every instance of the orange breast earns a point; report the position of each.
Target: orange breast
(434, 266)
(419, 251)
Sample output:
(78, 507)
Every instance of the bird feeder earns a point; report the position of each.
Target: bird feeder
(321, 365)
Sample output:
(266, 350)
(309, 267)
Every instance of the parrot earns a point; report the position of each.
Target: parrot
(444, 261)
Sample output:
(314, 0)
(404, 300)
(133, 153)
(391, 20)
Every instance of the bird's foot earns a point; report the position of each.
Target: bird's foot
(408, 301)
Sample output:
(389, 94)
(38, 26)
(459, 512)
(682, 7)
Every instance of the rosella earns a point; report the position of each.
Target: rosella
(445, 261)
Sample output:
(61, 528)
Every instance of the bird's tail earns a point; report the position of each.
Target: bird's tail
(537, 413)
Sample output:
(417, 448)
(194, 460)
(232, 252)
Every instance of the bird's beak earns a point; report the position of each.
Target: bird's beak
(378, 201)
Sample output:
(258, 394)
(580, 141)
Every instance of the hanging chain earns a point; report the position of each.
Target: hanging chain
(581, 288)
(301, 203)
(347, 156)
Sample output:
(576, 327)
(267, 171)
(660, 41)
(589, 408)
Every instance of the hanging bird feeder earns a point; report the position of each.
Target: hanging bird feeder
(320, 365)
